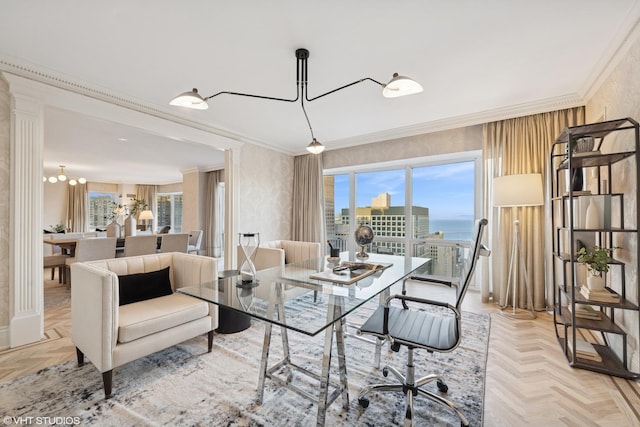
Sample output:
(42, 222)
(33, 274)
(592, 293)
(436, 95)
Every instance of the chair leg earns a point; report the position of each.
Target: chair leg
(107, 378)
(209, 341)
(80, 356)
(445, 402)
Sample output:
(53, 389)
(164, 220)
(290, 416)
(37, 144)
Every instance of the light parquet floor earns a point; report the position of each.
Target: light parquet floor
(529, 382)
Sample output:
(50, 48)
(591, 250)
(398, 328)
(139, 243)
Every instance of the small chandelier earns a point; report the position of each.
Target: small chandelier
(397, 86)
(62, 177)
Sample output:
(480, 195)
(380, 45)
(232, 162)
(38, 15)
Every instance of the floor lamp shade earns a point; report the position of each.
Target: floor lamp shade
(514, 191)
(518, 190)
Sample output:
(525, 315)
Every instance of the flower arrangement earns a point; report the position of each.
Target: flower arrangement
(137, 206)
(118, 211)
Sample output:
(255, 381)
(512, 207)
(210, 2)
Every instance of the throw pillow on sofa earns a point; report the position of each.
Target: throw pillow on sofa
(143, 286)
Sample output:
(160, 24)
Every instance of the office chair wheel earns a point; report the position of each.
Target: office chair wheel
(364, 402)
(385, 372)
(442, 386)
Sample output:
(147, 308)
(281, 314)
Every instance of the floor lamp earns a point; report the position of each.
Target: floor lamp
(515, 191)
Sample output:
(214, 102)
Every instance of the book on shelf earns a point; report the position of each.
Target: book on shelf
(584, 350)
(585, 312)
(605, 295)
(586, 153)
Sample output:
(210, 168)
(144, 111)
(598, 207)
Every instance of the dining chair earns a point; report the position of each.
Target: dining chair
(54, 258)
(91, 249)
(174, 242)
(195, 240)
(431, 325)
(140, 245)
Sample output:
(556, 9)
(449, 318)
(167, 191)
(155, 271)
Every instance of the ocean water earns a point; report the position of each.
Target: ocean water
(454, 229)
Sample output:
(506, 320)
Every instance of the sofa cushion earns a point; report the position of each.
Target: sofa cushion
(147, 317)
(143, 286)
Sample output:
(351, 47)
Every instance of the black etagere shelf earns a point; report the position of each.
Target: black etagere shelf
(615, 143)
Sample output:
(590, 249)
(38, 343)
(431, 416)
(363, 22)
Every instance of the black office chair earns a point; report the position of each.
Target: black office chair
(439, 332)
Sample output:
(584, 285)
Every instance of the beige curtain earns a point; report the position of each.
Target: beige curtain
(77, 208)
(517, 146)
(213, 236)
(308, 199)
(148, 194)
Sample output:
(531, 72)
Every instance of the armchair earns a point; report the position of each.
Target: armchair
(112, 332)
(432, 331)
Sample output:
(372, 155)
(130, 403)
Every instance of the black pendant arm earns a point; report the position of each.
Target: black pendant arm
(343, 87)
(254, 96)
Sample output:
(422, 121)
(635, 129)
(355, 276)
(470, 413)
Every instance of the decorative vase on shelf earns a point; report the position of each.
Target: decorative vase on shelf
(592, 220)
(595, 283)
(577, 179)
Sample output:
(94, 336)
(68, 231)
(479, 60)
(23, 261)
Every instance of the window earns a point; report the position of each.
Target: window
(408, 207)
(169, 211)
(101, 209)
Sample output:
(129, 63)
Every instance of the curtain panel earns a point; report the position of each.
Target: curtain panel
(213, 236)
(518, 146)
(308, 199)
(77, 208)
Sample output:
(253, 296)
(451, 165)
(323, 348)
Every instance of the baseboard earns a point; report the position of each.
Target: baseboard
(4, 337)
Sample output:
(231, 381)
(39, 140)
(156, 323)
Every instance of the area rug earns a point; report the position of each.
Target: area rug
(186, 386)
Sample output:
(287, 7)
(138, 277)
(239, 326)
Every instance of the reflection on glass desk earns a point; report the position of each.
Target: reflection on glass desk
(288, 297)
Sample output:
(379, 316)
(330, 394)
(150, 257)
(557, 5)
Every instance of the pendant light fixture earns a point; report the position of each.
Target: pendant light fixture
(397, 86)
(62, 178)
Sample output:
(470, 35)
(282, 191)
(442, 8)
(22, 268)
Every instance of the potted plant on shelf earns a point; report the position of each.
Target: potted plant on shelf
(597, 261)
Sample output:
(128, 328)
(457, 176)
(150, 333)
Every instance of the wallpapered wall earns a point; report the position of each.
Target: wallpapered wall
(619, 96)
(265, 183)
(450, 141)
(4, 202)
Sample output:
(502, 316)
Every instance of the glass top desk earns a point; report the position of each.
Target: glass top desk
(286, 296)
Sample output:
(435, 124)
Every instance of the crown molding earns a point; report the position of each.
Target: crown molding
(627, 35)
(32, 72)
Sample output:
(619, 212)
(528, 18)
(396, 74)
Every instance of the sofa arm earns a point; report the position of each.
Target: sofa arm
(94, 313)
(192, 270)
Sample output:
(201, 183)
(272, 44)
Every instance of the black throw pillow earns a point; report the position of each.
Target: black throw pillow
(143, 286)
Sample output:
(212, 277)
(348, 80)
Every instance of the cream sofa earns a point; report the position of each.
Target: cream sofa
(111, 335)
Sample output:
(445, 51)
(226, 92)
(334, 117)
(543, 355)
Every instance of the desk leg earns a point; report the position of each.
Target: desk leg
(264, 361)
(283, 330)
(342, 365)
(326, 362)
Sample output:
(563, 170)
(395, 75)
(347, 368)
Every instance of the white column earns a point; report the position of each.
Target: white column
(231, 191)
(25, 222)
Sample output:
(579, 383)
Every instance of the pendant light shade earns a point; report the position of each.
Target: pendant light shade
(190, 99)
(62, 177)
(401, 86)
(398, 86)
(315, 147)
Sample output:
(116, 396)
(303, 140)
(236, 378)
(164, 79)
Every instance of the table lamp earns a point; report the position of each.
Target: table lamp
(515, 191)
(146, 215)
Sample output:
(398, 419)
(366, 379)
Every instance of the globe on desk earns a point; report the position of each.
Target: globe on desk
(364, 236)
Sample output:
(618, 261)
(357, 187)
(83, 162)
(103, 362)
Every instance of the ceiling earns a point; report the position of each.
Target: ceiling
(477, 61)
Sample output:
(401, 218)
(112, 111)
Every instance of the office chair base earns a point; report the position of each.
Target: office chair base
(410, 391)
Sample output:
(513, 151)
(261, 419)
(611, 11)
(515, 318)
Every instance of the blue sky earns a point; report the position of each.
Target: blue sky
(447, 190)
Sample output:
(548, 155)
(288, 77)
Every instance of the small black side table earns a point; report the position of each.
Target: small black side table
(230, 321)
